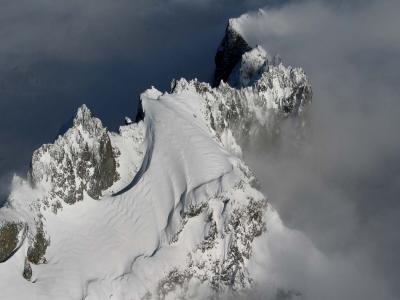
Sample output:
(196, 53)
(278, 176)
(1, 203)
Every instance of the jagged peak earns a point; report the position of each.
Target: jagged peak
(84, 118)
(83, 115)
(235, 53)
(82, 159)
(229, 52)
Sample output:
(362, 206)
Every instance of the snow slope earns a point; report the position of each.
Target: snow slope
(124, 245)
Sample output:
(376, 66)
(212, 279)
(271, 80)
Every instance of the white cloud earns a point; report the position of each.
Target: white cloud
(341, 187)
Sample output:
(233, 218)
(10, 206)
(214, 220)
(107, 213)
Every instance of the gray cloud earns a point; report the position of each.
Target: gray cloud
(341, 186)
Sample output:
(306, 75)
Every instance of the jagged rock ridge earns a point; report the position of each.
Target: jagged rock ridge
(82, 160)
(268, 92)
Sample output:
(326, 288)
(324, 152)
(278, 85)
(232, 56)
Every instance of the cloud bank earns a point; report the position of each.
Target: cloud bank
(340, 187)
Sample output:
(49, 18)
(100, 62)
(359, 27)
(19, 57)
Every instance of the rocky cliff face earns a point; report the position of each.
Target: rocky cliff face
(11, 235)
(229, 53)
(82, 160)
(253, 91)
(268, 93)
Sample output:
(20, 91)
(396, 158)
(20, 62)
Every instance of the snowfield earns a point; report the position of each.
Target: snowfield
(122, 246)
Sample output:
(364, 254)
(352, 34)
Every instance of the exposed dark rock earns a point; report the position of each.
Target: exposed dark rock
(81, 160)
(9, 239)
(139, 112)
(174, 279)
(105, 170)
(39, 246)
(27, 273)
(229, 53)
(209, 239)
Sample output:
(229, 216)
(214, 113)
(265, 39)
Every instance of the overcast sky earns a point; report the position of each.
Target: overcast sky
(57, 54)
(341, 188)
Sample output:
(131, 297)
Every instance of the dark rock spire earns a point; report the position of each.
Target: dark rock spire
(228, 54)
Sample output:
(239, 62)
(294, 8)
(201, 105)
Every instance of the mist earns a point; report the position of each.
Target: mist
(340, 185)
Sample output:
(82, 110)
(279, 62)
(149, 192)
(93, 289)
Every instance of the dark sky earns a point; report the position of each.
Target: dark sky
(341, 188)
(56, 55)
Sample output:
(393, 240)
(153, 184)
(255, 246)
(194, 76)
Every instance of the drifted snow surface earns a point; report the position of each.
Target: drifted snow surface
(121, 246)
(125, 246)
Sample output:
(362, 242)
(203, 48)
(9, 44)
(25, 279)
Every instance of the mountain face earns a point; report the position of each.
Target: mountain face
(252, 111)
(229, 53)
(81, 160)
(164, 209)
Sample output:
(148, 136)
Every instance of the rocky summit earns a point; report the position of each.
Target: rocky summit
(81, 160)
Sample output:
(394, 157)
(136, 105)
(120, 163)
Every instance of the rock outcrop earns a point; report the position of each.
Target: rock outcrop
(11, 236)
(81, 161)
(252, 91)
(255, 110)
(229, 53)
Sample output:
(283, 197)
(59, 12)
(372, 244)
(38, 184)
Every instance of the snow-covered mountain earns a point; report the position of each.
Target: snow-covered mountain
(166, 207)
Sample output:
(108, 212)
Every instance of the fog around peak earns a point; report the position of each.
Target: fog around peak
(340, 187)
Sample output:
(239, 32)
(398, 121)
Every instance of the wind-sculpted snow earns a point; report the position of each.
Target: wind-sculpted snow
(163, 209)
(192, 214)
(145, 161)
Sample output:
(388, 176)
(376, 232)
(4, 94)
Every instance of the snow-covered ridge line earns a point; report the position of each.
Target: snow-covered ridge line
(148, 145)
(240, 115)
